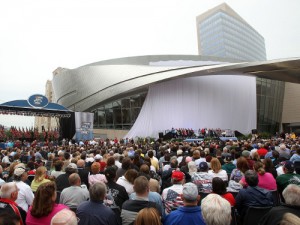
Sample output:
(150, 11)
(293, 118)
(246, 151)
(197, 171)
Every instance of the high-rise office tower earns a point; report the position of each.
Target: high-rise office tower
(222, 32)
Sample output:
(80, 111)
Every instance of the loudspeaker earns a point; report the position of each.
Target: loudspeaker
(254, 131)
(160, 134)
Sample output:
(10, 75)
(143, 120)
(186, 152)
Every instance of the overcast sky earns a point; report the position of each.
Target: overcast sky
(37, 36)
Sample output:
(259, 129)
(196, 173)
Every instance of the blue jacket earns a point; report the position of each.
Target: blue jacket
(91, 213)
(185, 216)
(252, 196)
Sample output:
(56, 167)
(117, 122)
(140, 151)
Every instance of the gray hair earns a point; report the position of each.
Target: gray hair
(216, 210)
(98, 192)
(291, 194)
(7, 189)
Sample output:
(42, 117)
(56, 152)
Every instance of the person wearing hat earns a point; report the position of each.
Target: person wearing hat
(179, 155)
(289, 177)
(99, 159)
(189, 213)
(172, 195)
(202, 178)
(25, 196)
(228, 166)
(62, 181)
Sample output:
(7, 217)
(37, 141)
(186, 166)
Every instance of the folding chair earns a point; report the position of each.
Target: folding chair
(254, 214)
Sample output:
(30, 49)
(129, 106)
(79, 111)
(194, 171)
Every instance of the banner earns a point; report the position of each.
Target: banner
(84, 126)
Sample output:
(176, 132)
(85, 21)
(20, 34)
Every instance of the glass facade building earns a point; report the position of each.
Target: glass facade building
(223, 33)
(120, 114)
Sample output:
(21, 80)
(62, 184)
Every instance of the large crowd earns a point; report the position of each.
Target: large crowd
(124, 182)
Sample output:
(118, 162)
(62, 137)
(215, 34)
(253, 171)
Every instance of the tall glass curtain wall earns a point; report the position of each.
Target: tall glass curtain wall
(270, 95)
(224, 36)
(120, 114)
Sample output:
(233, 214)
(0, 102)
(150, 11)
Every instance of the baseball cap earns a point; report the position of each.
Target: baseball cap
(289, 165)
(98, 157)
(245, 153)
(203, 166)
(19, 171)
(72, 166)
(190, 191)
(177, 175)
(179, 152)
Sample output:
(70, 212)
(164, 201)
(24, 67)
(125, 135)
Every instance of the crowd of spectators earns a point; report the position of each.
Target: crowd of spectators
(122, 182)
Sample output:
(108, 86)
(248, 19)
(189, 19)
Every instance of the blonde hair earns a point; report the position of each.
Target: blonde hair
(148, 216)
(40, 174)
(215, 165)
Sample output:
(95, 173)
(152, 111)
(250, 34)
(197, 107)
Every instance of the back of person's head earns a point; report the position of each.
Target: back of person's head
(40, 173)
(110, 161)
(44, 200)
(71, 168)
(98, 192)
(215, 165)
(80, 163)
(67, 155)
(150, 154)
(196, 154)
(192, 166)
(74, 179)
(218, 186)
(259, 168)
(190, 193)
(141, 185)
(9, 219)
(64, 217)
(288, 167)
(95, 168)
(145, 169)
(126, 163)
(268, 164)
(131, 175)
(216, 210)
(251, 178)
(9, 191)
(174, 163)
(290, 219)
(110, 173)
(58, 165)
(291, 194)
(242, 164)
(148, 216)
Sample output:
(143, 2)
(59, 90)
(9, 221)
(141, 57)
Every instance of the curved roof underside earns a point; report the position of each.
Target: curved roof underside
(83, 88)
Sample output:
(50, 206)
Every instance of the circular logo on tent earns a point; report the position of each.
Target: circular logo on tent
(38, 101)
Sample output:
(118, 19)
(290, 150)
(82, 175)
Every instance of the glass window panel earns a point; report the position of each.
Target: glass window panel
(101, 117)
(109, 116)
(117, 116)
(126, 116)
(125, 103)
(135, 113)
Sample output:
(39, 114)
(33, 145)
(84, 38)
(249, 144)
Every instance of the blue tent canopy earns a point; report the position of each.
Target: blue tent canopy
(22, 107)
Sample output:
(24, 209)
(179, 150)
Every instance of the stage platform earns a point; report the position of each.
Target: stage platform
(194, 139)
